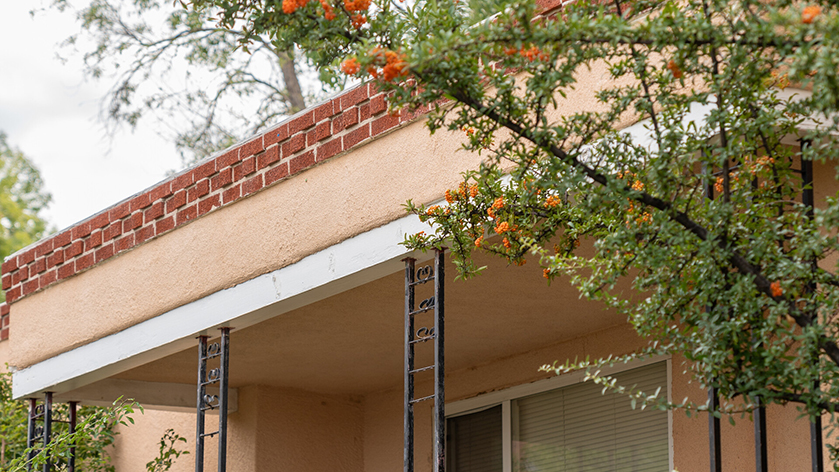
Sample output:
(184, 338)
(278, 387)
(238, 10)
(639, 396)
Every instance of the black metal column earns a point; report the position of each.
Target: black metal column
(71, 461)
(47, 428)
(32, 431)
(808, 199)
(413, 278)
(816, 451)
(199, 429)
(761, 457)
(714, 430)
(40, 425)
(715, 448)
(222, 413)
(408, 452)
(439, 371)
(205, 401)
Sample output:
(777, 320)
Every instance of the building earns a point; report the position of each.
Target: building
(292, 239)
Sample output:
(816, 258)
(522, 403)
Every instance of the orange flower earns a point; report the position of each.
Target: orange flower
(776, 289)
(450, 197)
(461, 189)
(327, 10)
(356, 5)
(502, 227)
(674, 69)
(358, 21)
(552, 201)
(290, 6)
(395, 65)
(350, 66)
(533, 54)
(810, 13)
(781, 81)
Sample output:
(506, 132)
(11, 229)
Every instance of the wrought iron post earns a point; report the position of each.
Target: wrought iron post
(408, 452)
(413, 278)
(32, 432)
(47, 428)
(40, 423)
(207, 402)
(439, 371)
(714, 429)
(761, 457)
(222, 414)
(816, 451)
(71, 461)
(715, 447)
(199, 430)
(808, 199)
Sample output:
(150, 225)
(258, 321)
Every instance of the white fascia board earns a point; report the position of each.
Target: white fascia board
(343, 266)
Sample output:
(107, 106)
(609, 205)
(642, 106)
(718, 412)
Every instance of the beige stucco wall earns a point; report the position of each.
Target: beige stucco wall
(4, 355)
(788, 436)
(305, 431)
(274, 429)
(139, 443)
(275, 227)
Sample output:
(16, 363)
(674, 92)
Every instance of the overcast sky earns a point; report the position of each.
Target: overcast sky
(49, 112)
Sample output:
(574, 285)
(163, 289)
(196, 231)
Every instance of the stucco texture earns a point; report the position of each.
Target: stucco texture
(277, 226)
(273, 228)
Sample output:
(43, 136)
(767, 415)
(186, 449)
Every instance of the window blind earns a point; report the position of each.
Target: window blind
(576, 429)
(474, 442)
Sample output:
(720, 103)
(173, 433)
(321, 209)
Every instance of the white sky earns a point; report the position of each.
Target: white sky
(49, 112)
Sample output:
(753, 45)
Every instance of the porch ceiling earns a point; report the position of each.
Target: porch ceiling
(353, 342)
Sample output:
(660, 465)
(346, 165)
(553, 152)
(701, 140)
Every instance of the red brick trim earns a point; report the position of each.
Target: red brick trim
(312, 136)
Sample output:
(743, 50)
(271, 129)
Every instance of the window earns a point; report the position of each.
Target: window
(542, 428)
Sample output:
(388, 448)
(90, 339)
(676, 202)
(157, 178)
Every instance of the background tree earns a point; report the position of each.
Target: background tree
(22, 198)
(178, 68)
(742, 285)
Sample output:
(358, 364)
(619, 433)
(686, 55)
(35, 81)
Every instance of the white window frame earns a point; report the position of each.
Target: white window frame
(506, 396)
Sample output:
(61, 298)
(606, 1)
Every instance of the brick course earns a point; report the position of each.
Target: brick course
(312, 136)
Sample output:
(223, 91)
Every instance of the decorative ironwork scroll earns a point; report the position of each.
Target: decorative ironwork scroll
(205, 401)
(42, 421)
(413, 337)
